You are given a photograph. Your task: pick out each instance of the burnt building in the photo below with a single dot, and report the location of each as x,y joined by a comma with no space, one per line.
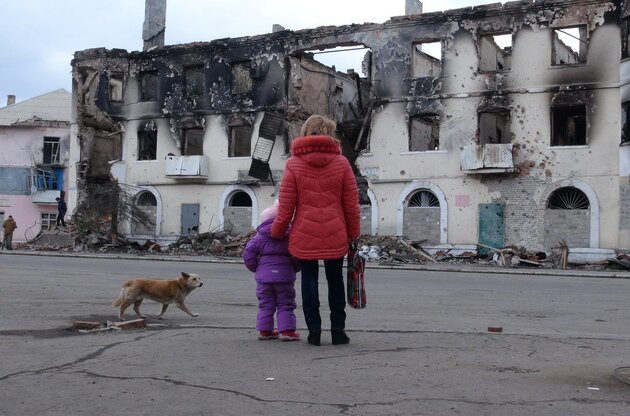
497,124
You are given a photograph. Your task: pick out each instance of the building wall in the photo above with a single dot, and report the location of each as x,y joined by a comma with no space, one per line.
22,148
527,91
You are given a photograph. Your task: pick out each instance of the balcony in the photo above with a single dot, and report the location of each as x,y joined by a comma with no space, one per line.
187,167
487,158
46,197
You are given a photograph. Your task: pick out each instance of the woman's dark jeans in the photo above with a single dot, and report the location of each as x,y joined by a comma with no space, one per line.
336,293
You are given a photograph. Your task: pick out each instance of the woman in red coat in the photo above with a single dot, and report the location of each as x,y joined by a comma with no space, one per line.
319,193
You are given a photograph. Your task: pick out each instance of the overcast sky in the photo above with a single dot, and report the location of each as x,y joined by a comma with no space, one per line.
38,37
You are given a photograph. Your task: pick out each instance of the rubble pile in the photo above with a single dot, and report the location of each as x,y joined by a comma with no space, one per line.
385,250
219,243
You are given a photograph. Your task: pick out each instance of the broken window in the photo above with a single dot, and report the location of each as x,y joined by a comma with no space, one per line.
241,78
569,46
48,221
427,59
147,144
495,52
149,84
240,144
44,179
51,150
494,127
193,142
568,198
348,59
568,125
194,80
240,199
625,123
115,86
424,133
625,38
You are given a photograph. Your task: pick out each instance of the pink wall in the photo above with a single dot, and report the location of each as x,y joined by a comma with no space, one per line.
25,213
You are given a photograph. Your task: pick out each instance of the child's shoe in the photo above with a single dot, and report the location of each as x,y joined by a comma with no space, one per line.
265,335
290,336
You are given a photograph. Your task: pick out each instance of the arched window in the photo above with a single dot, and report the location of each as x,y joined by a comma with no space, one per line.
568,198
423,199
240,199
146,199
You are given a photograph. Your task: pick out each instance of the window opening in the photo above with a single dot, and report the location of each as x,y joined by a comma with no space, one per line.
423,199
193,142
625,38
427,59
149,83
240,144
147,145
495,52
241,78
116,86
44,179
424,133
346,59
569,46
51,150
194,80
494,127
240,199
568,198
146,199
48,221
568,126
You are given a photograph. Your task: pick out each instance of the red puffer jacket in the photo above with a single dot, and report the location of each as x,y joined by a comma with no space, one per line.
318,186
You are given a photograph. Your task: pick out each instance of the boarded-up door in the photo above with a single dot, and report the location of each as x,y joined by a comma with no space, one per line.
190,219
491,226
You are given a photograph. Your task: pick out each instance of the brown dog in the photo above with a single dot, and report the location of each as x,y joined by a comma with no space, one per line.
163,291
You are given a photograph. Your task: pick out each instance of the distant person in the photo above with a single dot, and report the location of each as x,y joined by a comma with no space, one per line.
62,208
319,194
274,270
8,226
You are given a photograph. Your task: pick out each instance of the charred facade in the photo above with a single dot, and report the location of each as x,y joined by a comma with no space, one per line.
477,125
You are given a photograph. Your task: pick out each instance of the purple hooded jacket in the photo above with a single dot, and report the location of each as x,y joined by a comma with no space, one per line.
268,257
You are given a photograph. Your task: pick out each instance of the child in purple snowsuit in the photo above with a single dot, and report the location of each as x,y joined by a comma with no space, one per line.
275,272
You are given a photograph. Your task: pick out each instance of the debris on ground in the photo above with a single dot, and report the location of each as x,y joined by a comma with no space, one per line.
622,261
385,250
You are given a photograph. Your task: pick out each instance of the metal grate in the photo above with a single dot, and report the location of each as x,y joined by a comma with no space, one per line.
146,199
568,198
423,199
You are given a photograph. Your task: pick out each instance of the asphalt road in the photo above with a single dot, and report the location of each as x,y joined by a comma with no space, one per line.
421,347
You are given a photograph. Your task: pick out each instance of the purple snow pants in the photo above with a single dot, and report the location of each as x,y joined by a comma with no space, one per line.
272,297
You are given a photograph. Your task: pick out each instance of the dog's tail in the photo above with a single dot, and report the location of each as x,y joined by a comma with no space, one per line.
119,300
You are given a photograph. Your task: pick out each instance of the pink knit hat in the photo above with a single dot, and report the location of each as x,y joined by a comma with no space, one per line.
269,212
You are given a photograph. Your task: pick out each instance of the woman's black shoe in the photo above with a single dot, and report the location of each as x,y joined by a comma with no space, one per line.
314,337
339,337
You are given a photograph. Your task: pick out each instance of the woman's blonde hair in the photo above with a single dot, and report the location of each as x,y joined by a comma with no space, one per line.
319,125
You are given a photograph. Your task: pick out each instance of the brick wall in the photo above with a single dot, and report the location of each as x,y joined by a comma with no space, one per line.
239,219
366,219
524,219
571,225
422,224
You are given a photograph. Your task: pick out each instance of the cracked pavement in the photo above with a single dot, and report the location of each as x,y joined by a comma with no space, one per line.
421,346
